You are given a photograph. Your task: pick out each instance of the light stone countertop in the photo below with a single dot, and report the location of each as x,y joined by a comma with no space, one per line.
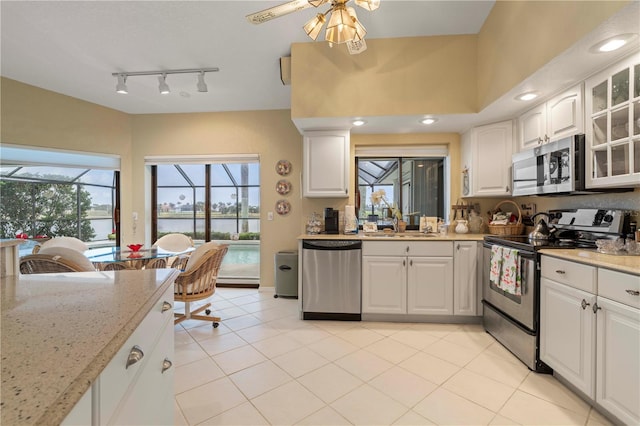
60,330
630,264
404,236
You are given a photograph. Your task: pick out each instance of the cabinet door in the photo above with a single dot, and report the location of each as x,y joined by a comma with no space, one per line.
430,285
567,333
384,285
565,114
465,283
618,380
532,127
326,164
492,148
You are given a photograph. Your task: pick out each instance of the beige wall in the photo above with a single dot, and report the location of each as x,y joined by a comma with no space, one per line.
519,37
398,76
440,75
271,134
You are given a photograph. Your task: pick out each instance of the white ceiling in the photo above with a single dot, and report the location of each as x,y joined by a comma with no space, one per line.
73,47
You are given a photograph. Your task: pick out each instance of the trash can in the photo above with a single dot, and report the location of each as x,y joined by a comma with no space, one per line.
286,274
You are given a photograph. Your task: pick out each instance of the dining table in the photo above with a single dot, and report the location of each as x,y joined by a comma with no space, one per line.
131,259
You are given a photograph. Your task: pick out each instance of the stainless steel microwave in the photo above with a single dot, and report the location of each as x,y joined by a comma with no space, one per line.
553,168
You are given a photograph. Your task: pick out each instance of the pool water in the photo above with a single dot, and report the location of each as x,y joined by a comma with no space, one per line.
239,254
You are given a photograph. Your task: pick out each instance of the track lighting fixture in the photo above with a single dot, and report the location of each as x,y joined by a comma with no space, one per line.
121,87
202,86
163,87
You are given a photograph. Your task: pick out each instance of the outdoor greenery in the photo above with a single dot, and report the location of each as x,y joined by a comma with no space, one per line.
38,209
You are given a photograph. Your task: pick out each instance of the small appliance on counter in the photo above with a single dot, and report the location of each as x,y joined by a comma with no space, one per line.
331,221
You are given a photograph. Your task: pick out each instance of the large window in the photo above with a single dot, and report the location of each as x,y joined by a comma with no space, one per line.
416,186
48,201
213,202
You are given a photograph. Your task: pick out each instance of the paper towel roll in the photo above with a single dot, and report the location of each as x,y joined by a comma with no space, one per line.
350,220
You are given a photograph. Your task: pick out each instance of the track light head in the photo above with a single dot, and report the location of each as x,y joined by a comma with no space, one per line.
121,87
202,86
163,86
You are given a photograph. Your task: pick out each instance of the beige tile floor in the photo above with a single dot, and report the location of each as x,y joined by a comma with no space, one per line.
264,366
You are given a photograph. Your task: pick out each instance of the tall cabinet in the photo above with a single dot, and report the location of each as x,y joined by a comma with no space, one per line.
486,160
325,171
613,125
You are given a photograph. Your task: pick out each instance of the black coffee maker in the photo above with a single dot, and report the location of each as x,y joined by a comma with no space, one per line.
330,221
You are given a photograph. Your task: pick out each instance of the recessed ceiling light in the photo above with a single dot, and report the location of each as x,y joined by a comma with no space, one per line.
428,120
358,122
528,96
612,43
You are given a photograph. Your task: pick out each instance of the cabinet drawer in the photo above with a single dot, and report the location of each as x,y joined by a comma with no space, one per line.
407,248
576,275
618,286
116,378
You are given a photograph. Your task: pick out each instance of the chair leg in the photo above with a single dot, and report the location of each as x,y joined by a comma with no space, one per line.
188,314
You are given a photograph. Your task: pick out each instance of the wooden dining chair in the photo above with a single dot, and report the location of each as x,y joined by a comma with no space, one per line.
198,282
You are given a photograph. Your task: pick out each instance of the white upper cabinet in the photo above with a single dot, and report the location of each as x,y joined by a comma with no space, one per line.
559,117
325,172
486,157
613,126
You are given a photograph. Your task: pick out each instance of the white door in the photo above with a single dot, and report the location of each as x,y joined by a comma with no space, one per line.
565,114
532,126
465,278
326,163
492,148
568,332
430,285
384,285
618,366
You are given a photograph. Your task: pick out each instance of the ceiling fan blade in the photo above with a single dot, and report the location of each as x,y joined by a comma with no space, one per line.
277,11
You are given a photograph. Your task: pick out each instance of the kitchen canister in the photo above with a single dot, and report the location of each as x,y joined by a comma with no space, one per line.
350,220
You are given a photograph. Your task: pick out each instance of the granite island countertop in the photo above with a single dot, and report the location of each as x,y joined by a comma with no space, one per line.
629,264
403,236
60,330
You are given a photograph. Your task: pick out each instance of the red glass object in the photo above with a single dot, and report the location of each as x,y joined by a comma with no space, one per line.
135,247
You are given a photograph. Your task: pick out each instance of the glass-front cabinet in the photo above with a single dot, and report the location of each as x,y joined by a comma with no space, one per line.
613,126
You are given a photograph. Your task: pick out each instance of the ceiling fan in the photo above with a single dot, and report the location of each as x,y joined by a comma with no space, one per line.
342,27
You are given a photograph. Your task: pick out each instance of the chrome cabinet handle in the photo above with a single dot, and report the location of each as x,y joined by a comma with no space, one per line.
633,292
166,364
595,308
539,140
135,355
166,306
584,304
407,249
411,262
560,271
458,247
404,263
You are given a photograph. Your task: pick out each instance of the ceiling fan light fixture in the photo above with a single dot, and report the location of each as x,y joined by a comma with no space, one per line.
370,5
121,87
163,86
314,26
341,27
360,29
202,86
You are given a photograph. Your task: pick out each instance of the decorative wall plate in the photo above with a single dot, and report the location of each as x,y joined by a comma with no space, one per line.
283,187
283,207
283,167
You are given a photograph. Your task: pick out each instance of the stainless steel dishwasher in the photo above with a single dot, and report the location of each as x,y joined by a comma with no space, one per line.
331,279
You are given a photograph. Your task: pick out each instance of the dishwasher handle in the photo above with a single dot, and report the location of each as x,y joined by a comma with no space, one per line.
331,245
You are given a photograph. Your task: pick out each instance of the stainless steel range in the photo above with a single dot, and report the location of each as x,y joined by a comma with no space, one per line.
513,317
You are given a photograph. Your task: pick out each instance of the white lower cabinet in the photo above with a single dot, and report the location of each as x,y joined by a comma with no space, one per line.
430,286
465,278
413,278
618,360
568,333
593,340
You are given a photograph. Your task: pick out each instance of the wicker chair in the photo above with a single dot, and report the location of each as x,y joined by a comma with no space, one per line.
115,266
198,281
174,243
157,263
46,263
